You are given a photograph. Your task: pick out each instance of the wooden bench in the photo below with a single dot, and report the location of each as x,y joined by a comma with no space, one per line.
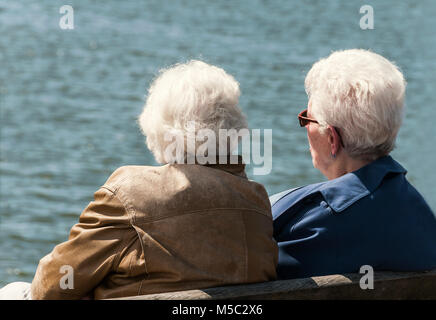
387,285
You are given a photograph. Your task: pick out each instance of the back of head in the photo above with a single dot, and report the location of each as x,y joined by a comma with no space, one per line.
362,94
186,98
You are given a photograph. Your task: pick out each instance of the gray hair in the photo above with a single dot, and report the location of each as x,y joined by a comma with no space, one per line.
192,92
362,94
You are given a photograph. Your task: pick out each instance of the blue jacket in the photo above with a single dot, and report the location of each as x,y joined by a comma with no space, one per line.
372,216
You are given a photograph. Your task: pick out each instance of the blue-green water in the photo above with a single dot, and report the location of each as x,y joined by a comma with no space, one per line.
69,98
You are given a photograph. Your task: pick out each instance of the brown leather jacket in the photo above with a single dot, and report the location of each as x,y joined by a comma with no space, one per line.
160,229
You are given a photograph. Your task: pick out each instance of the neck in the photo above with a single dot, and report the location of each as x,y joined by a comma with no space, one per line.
344,164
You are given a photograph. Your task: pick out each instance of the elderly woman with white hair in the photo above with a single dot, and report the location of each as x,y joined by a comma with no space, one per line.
367,213
173,227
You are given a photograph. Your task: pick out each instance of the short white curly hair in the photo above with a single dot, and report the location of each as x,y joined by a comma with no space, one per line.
186,93
362,94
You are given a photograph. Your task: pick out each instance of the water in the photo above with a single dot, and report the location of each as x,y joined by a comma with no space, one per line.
69,99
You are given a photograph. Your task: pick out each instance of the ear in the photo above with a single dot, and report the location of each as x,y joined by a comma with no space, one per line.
334,140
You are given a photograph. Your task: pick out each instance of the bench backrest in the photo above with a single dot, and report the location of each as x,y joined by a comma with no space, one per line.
387,285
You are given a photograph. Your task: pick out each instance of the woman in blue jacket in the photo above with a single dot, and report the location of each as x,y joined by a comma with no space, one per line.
367,213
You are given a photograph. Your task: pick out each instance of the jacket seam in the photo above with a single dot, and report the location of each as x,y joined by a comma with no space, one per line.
117,258
245,248
153,219
145,259
130,210
132,219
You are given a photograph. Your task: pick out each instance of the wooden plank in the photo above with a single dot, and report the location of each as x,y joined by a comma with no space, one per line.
387,285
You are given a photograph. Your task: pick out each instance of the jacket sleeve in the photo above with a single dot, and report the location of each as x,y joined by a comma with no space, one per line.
74,268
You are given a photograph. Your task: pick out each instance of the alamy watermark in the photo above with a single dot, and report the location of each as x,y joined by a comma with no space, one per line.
367,20
206,146
67,280
67,20
367,280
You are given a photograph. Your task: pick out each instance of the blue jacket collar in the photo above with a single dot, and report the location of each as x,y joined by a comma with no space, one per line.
373,174
342,192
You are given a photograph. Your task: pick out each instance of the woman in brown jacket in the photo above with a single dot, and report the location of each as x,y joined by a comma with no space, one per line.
194,222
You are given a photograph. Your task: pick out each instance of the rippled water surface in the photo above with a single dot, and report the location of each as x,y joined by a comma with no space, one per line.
69,98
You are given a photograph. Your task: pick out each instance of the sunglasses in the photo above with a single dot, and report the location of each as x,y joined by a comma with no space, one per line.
304,121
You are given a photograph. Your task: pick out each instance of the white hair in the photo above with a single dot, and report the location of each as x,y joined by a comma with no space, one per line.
362,94
187,93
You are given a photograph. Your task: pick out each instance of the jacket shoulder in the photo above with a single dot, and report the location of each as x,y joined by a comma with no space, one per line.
292,196
131,174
